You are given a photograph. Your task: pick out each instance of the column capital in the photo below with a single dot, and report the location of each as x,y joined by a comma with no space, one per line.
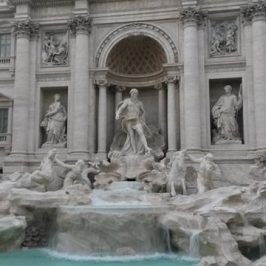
25,28
254,12
101,82
120,88
192,15
171,79
80,25
160,86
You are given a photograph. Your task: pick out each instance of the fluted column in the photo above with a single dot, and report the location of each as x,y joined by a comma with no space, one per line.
257,14
162,120
23,31
80,26
118,98
191,17
102,117
171,114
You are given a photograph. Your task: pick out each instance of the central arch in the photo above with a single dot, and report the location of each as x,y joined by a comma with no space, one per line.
143,56
136,29
136,56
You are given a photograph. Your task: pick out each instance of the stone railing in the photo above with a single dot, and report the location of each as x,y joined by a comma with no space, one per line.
5,139
5,60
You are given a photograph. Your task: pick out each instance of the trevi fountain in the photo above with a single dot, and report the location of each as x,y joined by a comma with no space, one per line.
132,133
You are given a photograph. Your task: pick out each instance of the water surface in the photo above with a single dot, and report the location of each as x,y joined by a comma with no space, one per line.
49,258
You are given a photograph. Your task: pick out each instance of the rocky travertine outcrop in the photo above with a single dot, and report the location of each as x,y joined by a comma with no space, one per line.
220,225
110,231
12,232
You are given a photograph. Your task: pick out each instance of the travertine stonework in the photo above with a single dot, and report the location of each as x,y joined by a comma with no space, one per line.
179,55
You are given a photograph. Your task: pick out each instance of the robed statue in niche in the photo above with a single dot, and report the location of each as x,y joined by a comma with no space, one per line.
54,123
224,114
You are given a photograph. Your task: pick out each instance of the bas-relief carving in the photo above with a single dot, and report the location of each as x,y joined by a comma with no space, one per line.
223,37
224,114
55,49
54,123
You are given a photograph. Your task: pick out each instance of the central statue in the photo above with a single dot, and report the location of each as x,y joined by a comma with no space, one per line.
132,113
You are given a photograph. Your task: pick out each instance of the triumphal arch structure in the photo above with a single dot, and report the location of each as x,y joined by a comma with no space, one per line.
65,65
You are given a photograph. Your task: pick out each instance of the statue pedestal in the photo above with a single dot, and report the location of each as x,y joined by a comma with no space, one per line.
224,142
61,145
133,165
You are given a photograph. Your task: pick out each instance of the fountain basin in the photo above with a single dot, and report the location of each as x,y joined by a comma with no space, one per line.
46,257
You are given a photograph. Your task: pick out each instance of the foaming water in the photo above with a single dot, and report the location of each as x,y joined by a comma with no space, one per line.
46,257
155,256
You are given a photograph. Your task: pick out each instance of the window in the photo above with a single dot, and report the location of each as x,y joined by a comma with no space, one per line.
5,43
3,120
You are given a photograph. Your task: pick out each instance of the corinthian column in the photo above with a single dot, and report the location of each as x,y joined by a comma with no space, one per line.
171,114
102,118
118,99
80,26
23,31
191,17
162,121
256,13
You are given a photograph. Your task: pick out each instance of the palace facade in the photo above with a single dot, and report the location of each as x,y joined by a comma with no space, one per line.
179,54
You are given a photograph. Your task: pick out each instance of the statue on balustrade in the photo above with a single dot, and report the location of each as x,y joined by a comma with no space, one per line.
132,113
54,124
224,114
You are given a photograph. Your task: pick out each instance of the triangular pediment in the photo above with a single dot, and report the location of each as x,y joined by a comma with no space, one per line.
4,98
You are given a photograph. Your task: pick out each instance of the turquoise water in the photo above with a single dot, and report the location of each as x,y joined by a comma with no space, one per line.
47,258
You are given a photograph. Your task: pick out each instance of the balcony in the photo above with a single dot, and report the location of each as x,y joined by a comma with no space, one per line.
5,139
5,60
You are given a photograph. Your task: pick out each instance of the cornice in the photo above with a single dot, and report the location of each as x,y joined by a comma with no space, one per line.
43,2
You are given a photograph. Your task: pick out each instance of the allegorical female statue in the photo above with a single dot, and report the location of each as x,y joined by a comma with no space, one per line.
55,123
224,114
